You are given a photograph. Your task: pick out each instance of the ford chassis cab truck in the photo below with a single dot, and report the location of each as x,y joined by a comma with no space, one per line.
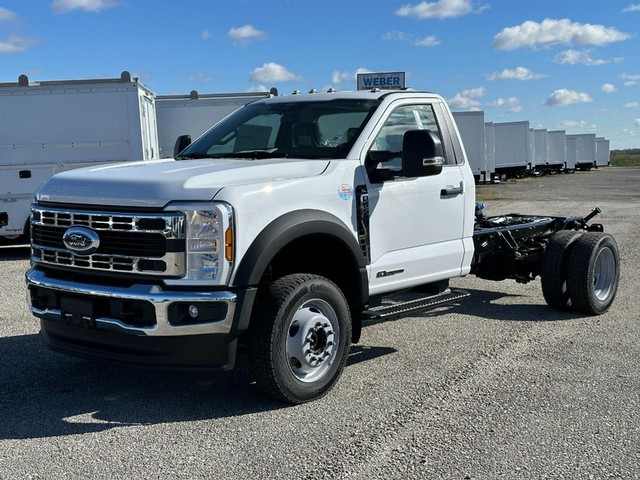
283,228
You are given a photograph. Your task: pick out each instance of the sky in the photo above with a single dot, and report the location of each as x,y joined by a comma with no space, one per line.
560,64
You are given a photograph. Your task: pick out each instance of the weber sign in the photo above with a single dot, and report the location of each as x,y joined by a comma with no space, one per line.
383,81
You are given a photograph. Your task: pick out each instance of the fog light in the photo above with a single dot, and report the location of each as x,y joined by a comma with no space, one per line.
193,311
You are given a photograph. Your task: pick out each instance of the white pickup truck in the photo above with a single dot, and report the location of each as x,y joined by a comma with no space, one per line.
284,227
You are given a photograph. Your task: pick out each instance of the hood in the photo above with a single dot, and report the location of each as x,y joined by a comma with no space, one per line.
156,183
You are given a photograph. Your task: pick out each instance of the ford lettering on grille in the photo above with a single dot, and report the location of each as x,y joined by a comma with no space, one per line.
81,241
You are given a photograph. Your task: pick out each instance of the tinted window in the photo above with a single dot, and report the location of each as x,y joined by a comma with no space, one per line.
315,129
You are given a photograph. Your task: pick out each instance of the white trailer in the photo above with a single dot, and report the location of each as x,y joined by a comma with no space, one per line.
585,150
602,152
532,153
194,114
545,162
490,151
472,132
50,126
557,150
512,149
572,152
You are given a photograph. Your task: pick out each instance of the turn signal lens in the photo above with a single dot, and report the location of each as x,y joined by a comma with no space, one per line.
228,244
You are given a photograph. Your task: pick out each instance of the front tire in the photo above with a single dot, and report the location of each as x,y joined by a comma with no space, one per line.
594,273
299,337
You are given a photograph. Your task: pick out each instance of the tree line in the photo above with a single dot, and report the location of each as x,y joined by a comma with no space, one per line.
626,151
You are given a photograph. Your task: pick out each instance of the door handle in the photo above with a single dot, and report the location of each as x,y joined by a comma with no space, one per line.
450,191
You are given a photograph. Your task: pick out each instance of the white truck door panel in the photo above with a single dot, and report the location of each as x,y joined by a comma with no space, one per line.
425,241
416,225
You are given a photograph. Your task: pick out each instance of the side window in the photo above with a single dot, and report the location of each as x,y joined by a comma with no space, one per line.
402,119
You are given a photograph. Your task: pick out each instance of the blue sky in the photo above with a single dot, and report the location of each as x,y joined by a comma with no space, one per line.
571,64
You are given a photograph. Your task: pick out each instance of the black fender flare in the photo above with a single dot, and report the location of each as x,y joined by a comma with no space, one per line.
284,230
287,228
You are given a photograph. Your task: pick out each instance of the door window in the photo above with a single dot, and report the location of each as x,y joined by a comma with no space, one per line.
402,119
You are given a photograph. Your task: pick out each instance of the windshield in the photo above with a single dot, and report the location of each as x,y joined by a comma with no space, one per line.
314,129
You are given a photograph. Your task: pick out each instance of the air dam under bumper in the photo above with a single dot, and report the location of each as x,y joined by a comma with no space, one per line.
81,319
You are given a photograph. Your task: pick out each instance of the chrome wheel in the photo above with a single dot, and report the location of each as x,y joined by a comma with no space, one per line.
312,340
604,274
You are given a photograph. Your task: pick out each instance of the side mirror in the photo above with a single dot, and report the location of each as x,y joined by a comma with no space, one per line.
182,142
422,153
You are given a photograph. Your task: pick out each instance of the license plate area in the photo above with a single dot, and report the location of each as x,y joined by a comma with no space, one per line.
77,312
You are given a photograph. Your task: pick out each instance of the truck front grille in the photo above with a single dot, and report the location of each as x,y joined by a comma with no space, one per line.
149,244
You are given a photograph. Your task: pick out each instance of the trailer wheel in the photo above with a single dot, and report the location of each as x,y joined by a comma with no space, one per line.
594,273
299,338
555,268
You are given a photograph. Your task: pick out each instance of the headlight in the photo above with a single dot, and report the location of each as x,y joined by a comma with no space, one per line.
209,243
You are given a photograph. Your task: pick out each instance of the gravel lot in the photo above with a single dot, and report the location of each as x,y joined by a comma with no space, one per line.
499,386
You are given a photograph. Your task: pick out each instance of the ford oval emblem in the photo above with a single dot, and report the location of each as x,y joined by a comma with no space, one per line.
81,241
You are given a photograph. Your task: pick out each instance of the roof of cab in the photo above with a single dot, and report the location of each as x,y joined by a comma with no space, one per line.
348,95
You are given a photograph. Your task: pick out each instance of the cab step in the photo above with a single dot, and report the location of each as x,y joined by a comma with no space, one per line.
389,310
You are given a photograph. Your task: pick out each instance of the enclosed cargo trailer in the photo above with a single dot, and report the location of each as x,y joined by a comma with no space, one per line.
585,146
602,152
490,151
472,132
50,126
194,114
557,150
545,161
512,149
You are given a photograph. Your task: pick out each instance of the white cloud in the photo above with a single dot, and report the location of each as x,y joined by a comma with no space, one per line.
511,104
467,98
609,88
439,9
631,104
637,122
564,97
7,15
630,79
580,124
65,6
16,44
339,77
573,57
246,34
430,41
273,72
257,88
206,34
634,7
556,32
518,73
390,36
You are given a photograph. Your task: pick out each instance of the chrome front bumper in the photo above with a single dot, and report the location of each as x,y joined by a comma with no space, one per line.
153,294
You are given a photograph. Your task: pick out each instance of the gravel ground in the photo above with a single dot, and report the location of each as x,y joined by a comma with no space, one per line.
499,386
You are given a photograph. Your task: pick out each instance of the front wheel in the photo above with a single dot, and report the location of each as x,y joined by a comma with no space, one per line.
299,337
594,272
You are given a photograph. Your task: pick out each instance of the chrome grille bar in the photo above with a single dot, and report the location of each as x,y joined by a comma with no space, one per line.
52,223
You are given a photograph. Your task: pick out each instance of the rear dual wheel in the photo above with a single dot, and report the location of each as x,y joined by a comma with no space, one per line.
581,270
593,273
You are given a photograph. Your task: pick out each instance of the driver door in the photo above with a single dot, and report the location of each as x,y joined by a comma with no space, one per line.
415,226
